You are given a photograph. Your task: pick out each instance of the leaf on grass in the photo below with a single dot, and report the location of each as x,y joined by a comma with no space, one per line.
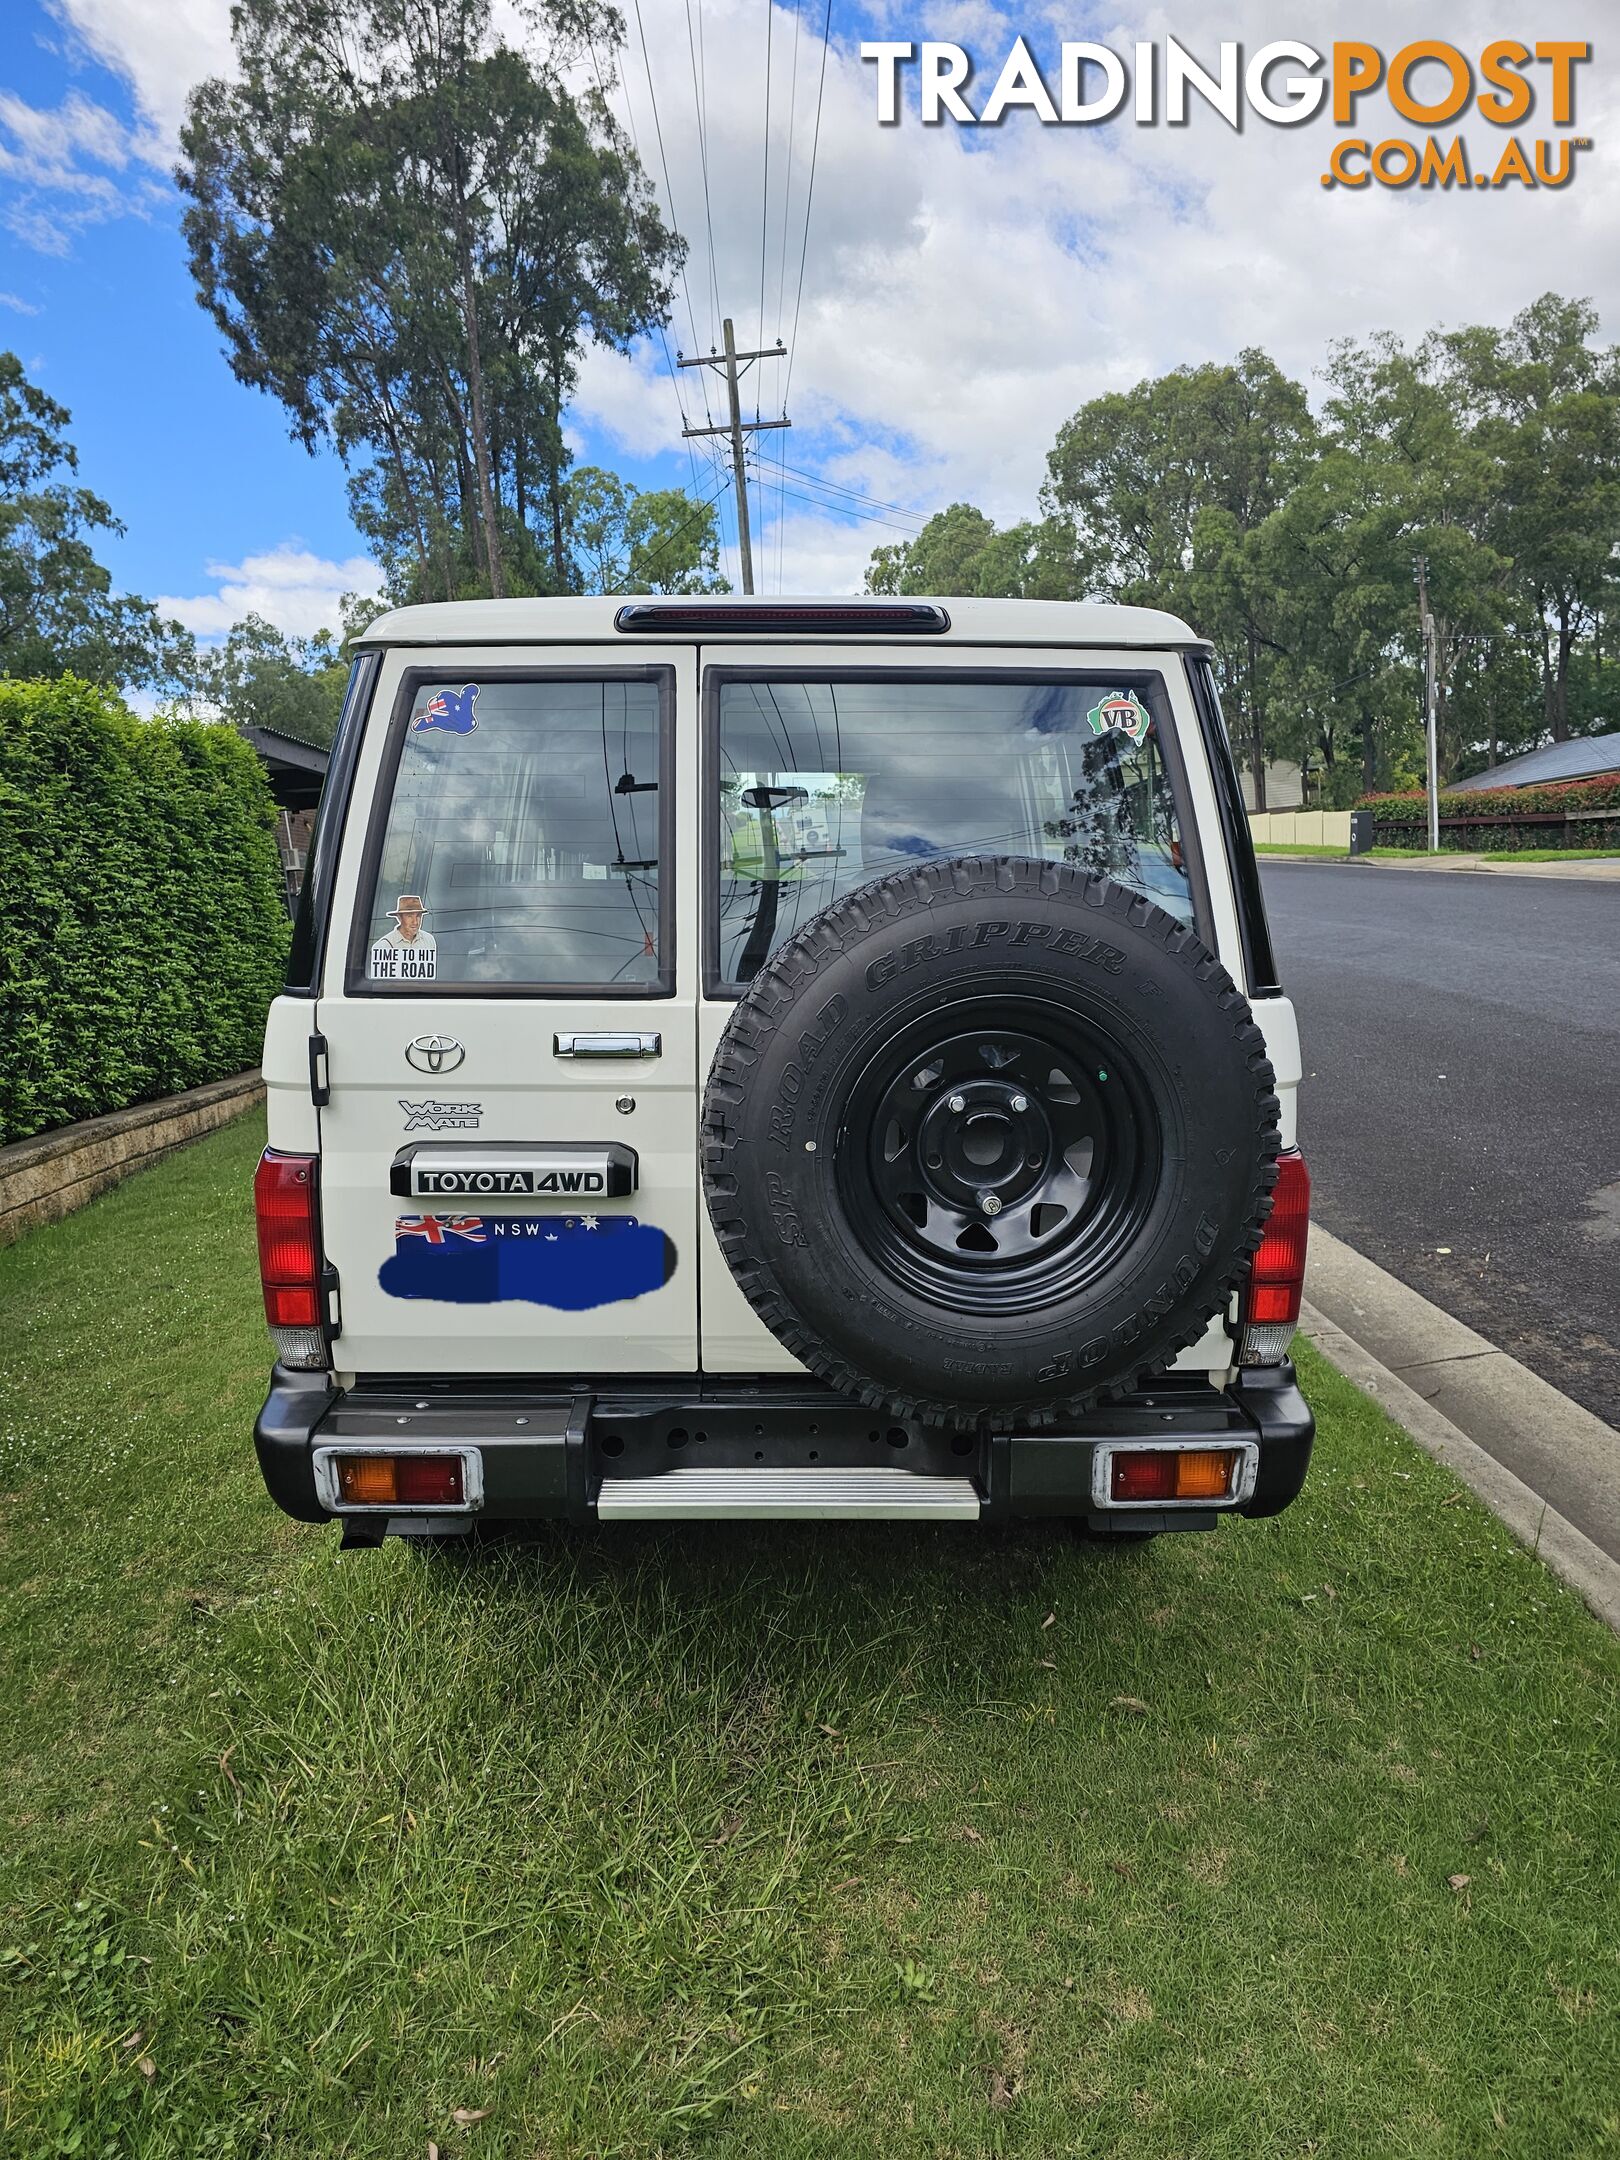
432,2151
1459,1883
1133,1703
146,2066
1047,1664
831,1731
1050,1620
132,2040
1004,2089
464,2118
1475,1653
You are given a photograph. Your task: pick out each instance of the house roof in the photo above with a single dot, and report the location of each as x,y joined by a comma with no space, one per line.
296,770
1584,758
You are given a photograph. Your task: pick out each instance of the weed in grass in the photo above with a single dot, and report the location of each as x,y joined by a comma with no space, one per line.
887,1842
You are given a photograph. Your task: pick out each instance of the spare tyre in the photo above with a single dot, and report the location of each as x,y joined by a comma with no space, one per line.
988,1139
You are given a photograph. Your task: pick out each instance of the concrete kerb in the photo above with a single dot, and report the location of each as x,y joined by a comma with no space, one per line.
1497,1398
1602,870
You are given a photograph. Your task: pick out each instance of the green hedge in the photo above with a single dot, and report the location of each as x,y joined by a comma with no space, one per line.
144,929
1540,817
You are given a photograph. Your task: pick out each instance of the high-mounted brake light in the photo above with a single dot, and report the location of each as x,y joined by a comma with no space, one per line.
1277,1278
859,618
286,1205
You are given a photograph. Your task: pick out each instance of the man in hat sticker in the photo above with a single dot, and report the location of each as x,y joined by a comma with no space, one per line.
407,953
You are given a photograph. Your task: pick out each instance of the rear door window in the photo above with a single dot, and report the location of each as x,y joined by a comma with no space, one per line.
526,839
824,785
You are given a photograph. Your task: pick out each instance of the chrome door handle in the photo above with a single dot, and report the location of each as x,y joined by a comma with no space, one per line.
602,1045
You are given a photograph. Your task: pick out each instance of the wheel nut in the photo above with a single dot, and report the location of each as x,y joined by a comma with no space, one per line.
958,1102
1020,1102
990,1204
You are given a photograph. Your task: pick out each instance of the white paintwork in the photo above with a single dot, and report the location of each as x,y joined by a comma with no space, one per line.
527,1093
735,1339
699,1316
289,1108
590,621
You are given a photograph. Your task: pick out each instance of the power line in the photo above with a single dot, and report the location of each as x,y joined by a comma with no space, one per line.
700,105
765,184
787,177
680,531
809,199
819,502
663,339
876,501
663,159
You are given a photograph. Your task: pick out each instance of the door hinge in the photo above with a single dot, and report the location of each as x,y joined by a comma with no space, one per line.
320,1079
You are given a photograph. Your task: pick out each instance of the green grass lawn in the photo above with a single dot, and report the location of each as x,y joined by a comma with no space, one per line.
1297,1839
1304,847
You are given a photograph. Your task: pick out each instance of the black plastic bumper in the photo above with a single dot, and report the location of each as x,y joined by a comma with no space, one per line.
545,1453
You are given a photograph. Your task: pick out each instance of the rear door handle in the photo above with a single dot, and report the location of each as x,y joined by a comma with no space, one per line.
605,1045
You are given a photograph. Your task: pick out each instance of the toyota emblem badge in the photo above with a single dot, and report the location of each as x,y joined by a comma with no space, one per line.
434,1053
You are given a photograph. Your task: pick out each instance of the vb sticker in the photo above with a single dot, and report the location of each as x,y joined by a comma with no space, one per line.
407,953
572,1263
1121,712
451,710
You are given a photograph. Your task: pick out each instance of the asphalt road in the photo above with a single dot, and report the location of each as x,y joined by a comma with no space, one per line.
1461,1105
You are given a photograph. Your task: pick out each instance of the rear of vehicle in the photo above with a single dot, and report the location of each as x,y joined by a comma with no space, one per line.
755,1059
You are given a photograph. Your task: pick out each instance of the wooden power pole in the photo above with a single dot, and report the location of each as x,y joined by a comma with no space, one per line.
733,365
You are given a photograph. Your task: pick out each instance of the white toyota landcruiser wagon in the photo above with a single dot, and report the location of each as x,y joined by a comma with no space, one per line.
756,1058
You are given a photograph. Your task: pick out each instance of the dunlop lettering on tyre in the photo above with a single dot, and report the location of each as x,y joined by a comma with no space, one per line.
988,1140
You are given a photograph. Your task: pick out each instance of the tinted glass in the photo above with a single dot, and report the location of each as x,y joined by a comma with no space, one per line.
522,841
825,786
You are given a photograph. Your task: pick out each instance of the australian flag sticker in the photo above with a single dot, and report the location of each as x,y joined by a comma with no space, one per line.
451,710
571,1262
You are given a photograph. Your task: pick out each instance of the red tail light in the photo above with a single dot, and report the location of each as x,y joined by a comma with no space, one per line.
286,1202
1277,1280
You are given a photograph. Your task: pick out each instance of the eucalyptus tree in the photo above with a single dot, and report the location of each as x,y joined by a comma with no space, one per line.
1158,493
407,227
1546,405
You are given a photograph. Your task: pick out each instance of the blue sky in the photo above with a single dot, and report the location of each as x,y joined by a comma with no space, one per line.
198,467
964,290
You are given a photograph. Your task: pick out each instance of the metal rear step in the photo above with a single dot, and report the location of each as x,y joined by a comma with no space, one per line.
761,1495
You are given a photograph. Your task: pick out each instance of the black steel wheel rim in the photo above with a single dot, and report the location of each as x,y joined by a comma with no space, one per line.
1000,1157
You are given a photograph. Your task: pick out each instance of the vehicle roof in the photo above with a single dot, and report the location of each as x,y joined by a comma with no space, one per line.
591,620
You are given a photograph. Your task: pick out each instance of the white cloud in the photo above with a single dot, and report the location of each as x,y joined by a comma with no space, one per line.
16,304
627,396
161,48
289,586
966,289
72,165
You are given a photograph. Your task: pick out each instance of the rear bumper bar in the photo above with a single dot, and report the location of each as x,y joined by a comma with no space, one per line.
577,1457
